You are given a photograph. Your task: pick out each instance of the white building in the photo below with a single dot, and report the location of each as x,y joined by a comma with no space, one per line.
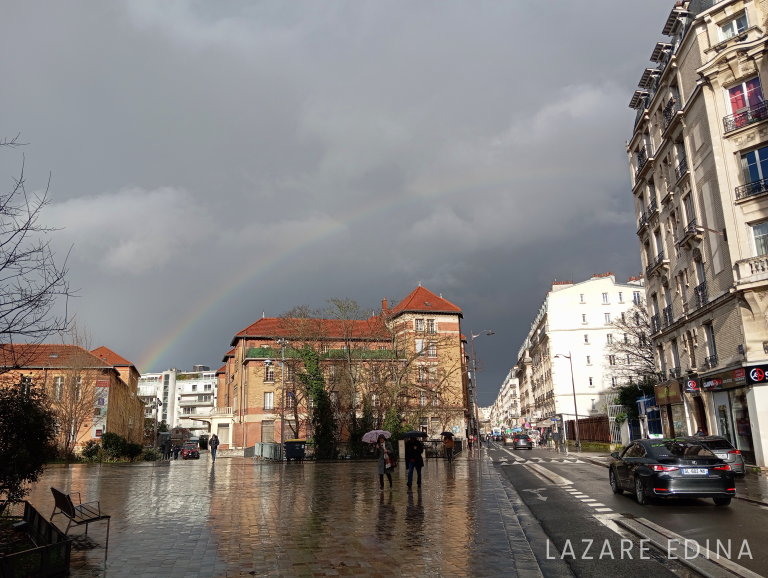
572,327
505,411
187,397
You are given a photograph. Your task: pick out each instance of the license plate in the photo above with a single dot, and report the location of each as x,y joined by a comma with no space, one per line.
722,456
695,471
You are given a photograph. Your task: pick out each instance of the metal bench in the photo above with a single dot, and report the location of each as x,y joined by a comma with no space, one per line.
78,514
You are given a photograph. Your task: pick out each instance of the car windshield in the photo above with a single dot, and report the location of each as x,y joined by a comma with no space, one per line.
718,444
190,447
680,449
523,437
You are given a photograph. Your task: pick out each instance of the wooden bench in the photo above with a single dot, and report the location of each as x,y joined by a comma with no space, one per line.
78,514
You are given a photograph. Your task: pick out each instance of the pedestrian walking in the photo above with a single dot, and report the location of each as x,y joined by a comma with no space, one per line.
213,443
413,450
449,444
176,450
469,443
488,441
386,461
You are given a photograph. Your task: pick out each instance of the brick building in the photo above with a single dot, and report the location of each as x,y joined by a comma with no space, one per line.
411,355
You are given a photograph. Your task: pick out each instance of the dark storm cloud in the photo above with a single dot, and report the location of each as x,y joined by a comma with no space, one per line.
477,148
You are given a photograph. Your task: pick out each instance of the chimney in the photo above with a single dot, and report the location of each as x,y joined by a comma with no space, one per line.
384,304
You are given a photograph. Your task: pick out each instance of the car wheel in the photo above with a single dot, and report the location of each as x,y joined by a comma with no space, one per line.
722,501
615,486
642,499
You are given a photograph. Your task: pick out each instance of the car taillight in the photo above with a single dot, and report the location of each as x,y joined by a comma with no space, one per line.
731,490
657,468
723,467
660,489
735,452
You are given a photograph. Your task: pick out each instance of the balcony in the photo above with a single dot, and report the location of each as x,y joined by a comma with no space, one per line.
702,298
691,232
642,159
642,223
658,263
674,372
751,189
653,206
655,324
670,113
147,391
195,403
711,362
221,411
682,169
745,117
752,270
667,316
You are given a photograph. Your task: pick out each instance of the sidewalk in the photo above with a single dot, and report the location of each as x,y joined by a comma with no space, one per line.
751,488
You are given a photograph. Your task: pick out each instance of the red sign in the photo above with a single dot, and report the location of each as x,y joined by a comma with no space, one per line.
756,375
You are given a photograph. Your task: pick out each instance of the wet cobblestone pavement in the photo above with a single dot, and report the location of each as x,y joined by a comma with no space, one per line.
237,518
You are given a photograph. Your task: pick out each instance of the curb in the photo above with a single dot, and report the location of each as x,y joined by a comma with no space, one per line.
596,462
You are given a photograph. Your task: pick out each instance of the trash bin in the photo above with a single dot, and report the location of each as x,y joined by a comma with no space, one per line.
294,449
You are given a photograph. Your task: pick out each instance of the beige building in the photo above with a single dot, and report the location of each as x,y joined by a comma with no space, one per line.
505,411
699,170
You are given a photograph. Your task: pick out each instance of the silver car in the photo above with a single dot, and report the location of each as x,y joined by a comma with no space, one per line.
724,450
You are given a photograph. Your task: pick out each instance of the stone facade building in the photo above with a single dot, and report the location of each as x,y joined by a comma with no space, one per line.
505,411
697,156
412,355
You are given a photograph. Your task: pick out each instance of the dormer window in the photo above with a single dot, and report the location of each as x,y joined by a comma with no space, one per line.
734,27
53,355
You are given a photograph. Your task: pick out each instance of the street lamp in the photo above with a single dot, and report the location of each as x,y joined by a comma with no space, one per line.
575,407
474,373
282,342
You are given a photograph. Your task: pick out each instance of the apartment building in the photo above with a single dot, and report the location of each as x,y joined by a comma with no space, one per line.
565,349
411,354
698,149
505,411
187,397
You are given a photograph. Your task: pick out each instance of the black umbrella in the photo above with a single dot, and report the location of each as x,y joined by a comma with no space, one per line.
413,434
447,434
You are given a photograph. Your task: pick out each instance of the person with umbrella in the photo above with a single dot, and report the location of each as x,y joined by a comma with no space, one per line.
413,450
449,444
384,452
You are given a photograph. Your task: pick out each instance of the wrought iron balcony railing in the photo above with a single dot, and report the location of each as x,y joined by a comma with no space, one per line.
642,158
667,314
642,222
653,206
749,115
751,189
655,263
674,372
681,168
691,227
702,298
711,361
670,109
655,324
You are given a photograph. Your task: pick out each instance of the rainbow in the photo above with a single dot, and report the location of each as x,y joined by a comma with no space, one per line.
417,194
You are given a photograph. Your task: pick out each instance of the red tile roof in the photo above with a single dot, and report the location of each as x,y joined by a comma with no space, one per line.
230,353
274,327
110,357
223,369
422,300
48,355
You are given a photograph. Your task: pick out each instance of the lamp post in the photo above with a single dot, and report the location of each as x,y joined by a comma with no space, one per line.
575,407
474,374
282,343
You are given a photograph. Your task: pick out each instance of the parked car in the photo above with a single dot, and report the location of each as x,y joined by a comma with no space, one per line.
189,451
724,450
522,441
680,467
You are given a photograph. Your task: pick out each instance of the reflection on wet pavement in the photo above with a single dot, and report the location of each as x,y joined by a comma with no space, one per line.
313,519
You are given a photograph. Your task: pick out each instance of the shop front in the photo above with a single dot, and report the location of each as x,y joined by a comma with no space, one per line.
669,399
731,413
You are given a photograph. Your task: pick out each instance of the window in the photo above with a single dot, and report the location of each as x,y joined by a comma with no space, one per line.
207,387
589,360
431,326
593,405
734,27
609,339
420,347
187,410
288,374
269,400
613,382
203,398
583,317
356,400
432,350
586,338
611,360
194,388
581,298
422,399
621,297
636,297
754,165
605,298
435,400
269,373
709,330
96,412
745,94
422,374
58,388
375,401
419,324
607,318
290,397
628,361
760,234
622,316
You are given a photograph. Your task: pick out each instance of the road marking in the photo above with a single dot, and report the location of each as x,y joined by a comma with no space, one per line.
603,510
549,474
588,500
597,505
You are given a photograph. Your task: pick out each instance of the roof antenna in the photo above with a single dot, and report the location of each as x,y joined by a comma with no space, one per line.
441,295
262,315
419,282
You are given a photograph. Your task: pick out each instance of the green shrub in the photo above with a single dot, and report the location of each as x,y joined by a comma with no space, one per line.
114,445
150,454
91,450
133,451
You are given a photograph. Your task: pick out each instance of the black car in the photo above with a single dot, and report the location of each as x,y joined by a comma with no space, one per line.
522,441
680,467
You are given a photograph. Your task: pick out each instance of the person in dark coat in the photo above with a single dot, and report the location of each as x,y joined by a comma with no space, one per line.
385,453
213,444
176,450
413,450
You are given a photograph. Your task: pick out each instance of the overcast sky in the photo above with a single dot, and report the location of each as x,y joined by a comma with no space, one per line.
210,161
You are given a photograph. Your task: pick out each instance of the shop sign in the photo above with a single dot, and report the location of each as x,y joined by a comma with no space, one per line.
757,375
668,392
725,380
691,385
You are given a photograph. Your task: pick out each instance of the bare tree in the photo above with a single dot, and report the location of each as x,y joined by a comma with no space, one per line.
30,279
629,352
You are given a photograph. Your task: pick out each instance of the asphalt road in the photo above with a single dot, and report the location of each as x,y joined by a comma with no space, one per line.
582,507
